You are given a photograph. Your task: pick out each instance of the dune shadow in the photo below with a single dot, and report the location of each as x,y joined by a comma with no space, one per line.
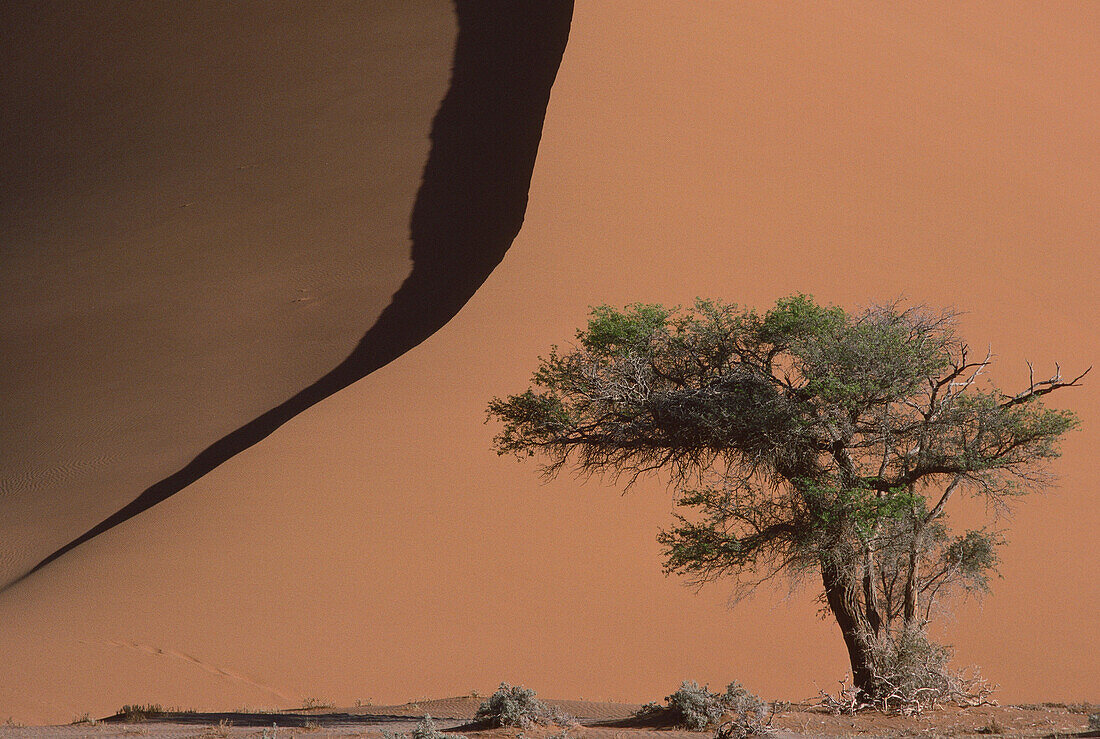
467,212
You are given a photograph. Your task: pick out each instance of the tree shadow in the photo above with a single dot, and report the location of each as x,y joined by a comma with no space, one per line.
467,212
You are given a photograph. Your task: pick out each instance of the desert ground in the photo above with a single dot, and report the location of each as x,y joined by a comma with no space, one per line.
589,720
207,208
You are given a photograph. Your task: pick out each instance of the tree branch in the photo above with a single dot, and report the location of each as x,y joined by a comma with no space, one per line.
1036,389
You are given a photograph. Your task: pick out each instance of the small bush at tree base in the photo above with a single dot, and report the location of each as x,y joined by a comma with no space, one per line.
513,706
912,676
912,672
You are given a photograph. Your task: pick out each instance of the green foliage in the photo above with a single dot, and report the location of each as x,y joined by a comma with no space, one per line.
825,427
795,322
973,556
650,388
806,437
861,507
527,414
613,333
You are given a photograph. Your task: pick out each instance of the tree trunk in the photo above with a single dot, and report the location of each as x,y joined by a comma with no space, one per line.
870,593
842,595
909,612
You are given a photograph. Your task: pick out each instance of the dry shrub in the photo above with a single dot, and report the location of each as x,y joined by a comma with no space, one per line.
221,730
426,729
912,675
993,727
736,712
514,706
137,713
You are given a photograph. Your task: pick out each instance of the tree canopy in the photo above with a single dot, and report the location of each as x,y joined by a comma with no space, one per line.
804,438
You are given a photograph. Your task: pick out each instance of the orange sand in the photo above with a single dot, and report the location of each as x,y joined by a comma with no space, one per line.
375,547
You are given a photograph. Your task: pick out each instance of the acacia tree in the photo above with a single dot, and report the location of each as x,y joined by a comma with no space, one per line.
806,439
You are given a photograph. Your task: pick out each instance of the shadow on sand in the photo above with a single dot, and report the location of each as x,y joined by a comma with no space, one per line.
469,208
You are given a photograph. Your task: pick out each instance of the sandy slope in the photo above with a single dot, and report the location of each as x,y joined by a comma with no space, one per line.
374,547
204,209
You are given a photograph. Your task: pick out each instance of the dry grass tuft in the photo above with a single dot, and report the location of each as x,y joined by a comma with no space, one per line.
220,731
993,727
136,713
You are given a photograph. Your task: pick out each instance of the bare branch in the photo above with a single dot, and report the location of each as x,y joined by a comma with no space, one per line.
1036,389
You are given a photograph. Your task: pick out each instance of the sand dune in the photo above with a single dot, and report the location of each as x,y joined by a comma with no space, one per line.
374,548
193,228
228,393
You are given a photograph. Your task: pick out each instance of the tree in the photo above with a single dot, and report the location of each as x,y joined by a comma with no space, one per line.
804,440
